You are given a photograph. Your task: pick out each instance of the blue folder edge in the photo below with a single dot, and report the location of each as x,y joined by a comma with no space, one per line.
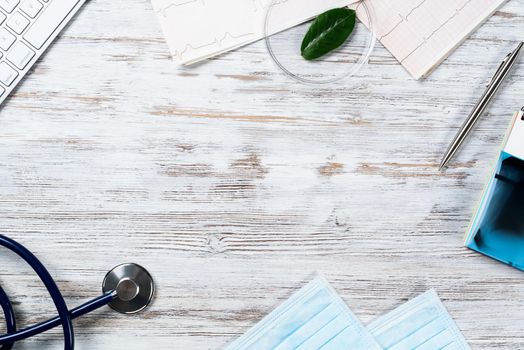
496,230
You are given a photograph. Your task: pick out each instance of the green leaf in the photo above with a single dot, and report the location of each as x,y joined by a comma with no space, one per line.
329,30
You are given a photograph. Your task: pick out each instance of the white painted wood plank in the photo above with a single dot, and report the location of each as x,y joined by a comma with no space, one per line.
233,185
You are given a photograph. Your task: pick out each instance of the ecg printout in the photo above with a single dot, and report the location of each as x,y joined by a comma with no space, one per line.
422,33
419,33
199,29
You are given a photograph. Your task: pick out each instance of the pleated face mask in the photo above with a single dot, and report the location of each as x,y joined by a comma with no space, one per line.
422,324
314,318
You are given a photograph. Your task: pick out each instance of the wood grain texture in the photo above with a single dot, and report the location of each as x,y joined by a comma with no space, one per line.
234,185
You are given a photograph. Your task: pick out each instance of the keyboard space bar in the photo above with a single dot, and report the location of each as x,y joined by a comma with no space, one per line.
47,23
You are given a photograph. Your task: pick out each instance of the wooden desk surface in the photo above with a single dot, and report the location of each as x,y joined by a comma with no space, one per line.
233,184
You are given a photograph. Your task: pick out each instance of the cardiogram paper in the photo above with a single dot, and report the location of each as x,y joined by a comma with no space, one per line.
422,33
199,29
419,33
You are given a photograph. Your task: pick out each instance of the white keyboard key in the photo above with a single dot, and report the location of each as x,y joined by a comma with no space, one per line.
17,23
20,55
48,22
31,7
6,39
2,90
8,5
2,17
7,74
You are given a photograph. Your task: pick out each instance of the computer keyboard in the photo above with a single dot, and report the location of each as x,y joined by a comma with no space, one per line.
27,28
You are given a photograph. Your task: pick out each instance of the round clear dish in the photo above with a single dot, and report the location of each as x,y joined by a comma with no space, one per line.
284,45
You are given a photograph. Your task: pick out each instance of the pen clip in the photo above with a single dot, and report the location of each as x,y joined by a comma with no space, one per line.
499,69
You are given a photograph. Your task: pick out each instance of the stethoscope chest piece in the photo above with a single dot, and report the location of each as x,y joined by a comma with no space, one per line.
133,285
128,288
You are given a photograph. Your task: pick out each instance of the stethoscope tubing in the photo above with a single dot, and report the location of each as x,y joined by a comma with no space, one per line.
10,319
64,317
81,310
49,283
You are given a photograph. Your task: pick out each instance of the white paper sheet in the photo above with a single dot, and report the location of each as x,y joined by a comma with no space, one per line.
422,33
515,143
199,29
419,33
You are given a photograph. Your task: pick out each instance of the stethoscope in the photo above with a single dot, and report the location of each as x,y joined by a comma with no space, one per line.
128,289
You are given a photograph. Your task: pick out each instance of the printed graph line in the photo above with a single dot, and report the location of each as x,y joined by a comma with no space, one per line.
426,39
415,9
217,41
257,5
403,19
164,10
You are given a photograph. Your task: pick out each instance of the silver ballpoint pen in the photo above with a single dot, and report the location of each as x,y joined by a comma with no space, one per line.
493,86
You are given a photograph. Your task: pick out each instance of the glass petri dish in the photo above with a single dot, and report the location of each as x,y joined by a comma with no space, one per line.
284,45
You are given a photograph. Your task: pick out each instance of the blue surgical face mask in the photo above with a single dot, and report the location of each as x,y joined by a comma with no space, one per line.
312,319
422,324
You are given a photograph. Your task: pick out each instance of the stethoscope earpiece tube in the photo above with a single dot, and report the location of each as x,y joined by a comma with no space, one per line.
9,314
52,288
128,288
